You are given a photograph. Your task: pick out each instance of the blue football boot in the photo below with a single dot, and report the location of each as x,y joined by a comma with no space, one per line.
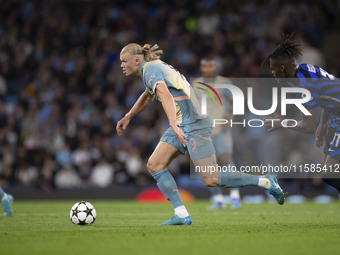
176,220
6,203
275,189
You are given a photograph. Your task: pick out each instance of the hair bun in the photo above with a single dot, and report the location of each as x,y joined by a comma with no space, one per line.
146,47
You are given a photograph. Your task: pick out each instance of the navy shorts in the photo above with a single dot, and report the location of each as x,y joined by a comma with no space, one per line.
332,147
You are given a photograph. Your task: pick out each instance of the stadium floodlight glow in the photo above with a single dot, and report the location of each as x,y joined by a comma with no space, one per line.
238,100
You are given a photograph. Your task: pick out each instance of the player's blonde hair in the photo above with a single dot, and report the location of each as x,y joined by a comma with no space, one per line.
149,53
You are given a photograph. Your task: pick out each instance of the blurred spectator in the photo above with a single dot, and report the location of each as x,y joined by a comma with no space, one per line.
102,174
67,177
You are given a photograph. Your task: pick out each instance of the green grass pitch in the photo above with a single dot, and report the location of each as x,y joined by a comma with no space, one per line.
126,227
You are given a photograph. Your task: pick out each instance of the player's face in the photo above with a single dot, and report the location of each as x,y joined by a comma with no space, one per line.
278,70
208,68
130,64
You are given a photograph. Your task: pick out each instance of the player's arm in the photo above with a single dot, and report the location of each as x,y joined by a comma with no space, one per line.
305,125
170,109
320,132
142,102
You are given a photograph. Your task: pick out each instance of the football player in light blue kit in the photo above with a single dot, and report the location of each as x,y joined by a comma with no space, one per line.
6,200
221,135
188,131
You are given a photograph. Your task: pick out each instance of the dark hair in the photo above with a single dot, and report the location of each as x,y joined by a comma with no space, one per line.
209,58
288,48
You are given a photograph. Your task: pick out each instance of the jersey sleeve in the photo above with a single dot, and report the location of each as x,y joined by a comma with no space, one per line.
153,75
311,104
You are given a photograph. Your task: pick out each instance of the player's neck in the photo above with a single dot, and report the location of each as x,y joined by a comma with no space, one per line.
291,70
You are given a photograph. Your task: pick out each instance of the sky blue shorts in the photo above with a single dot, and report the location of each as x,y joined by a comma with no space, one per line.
198,138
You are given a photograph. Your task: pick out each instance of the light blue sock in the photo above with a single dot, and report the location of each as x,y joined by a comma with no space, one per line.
232,190
167,185
237,179
215,191
2,193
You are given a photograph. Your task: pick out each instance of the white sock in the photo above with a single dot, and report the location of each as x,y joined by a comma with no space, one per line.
234,193
4,197
218,198
264,182
181,211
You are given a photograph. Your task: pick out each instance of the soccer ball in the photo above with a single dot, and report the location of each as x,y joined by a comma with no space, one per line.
83,213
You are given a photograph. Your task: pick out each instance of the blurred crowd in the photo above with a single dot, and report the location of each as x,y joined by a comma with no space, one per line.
62,90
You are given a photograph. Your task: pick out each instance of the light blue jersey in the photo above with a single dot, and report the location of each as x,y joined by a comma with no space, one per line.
196,127
156,72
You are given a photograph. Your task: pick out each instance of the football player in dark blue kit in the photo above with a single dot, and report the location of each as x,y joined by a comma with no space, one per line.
325,92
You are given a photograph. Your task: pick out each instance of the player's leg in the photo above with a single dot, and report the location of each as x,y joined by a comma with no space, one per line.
157,166
332,177
223,144
332,161
212,177
226,159
6,200
202,153
235,198
217,198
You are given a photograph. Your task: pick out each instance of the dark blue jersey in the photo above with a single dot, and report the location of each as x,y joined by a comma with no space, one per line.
324,87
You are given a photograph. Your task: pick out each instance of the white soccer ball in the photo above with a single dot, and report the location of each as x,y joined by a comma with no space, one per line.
83,213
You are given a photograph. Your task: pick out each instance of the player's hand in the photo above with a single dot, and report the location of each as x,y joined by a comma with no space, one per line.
180,135
122,124
273,122
320,133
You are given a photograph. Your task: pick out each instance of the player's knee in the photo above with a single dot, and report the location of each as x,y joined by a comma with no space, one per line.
152,166
211,182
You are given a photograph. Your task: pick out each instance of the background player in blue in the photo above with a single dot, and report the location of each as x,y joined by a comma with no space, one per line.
6,200
325,92
188,131
221,135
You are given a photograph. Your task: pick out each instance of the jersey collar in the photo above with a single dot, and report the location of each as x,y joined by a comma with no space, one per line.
141,67
296,71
